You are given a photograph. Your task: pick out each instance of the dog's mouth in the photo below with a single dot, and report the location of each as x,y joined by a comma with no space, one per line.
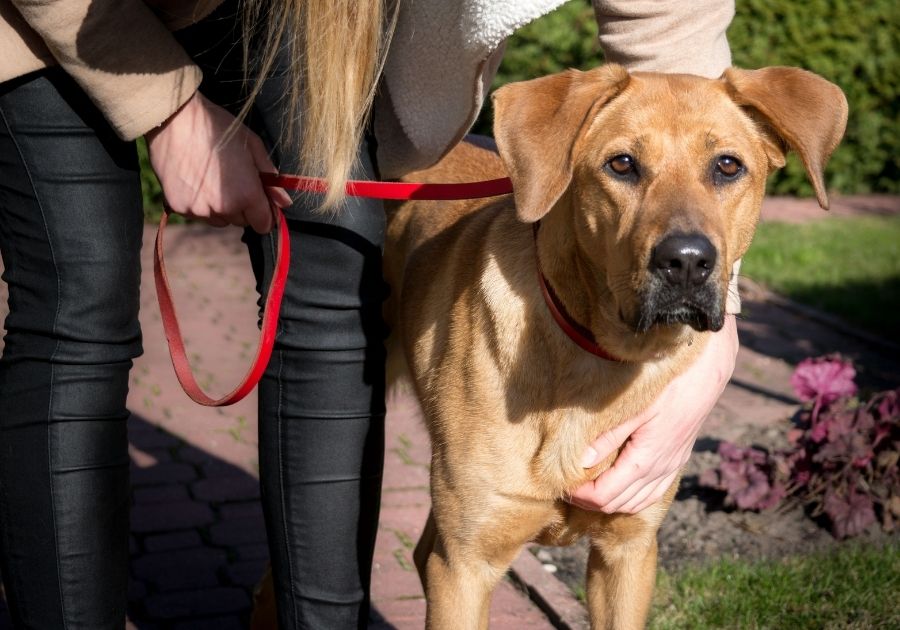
701,309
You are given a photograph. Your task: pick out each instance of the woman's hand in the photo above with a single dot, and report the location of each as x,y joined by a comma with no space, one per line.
205,178
659,440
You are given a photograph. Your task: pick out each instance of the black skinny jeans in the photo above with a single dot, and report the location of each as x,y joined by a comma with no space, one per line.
70,236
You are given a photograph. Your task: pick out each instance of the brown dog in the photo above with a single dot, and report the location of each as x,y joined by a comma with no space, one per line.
647,189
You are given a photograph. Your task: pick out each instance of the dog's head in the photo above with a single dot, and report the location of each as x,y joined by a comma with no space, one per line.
659,178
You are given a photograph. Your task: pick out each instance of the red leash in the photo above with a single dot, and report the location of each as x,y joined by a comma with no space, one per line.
373,190
396,190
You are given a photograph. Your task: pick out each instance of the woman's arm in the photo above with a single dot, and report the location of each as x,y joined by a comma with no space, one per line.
144,82
120,54
677,36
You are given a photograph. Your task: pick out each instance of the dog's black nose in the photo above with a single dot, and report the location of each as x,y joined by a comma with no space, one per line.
684,260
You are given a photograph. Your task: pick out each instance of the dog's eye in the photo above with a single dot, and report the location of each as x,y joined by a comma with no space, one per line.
622,164
728,167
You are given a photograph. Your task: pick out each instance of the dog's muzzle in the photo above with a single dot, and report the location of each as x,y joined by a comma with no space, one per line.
680,289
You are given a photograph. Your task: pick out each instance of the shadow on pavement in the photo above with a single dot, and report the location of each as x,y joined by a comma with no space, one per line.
198,542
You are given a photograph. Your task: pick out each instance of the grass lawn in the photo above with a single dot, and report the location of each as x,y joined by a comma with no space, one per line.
853,587
849,267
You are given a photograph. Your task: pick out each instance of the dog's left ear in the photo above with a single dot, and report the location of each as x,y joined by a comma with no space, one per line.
536,124
808,114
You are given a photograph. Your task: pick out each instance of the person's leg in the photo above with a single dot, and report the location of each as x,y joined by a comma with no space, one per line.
70,236
321,425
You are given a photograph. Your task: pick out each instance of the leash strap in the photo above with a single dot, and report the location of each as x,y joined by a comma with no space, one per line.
267,332
373,190
396,190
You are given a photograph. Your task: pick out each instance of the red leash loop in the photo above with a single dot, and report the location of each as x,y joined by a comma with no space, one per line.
373,190
267,332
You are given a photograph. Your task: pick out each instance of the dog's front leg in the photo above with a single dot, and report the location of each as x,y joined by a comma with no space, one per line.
464,552
620,578
424,548
622,566
458,589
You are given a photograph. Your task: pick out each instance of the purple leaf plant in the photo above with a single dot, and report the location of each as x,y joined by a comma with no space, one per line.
841,459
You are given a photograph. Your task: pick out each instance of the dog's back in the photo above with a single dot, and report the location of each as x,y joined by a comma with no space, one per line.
410,225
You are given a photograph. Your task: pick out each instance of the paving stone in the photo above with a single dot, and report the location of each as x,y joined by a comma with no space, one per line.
218,623
173,472
167,517
193,455
231,488
175,540
160,494
145,435
252,552
399,614
238,531
511,609
240,509
391,581
405,497
219,468
202,602
246,573
180,569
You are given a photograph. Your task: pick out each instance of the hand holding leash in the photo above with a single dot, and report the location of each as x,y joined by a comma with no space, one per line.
209,168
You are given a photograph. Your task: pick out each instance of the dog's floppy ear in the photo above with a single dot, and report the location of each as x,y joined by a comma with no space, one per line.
808,113
536,124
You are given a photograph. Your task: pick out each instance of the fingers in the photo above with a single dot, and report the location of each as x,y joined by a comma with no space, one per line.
609,442
207,178
216,221
638,478
583,497
596,495
262,218
279,196
649,495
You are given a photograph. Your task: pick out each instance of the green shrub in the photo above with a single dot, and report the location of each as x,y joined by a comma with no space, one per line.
854,43
150,189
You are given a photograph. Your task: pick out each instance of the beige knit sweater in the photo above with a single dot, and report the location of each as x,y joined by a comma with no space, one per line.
120,51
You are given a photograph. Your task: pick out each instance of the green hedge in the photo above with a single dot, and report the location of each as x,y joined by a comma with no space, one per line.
150,189
854,43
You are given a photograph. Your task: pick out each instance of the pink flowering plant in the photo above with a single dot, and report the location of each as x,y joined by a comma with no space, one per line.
842,458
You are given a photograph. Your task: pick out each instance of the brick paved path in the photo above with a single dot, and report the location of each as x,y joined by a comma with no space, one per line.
198,542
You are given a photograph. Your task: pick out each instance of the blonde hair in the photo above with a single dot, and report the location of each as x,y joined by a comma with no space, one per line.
337,48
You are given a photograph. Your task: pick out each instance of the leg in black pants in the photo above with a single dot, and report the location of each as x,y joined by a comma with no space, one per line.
321,413
70,236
